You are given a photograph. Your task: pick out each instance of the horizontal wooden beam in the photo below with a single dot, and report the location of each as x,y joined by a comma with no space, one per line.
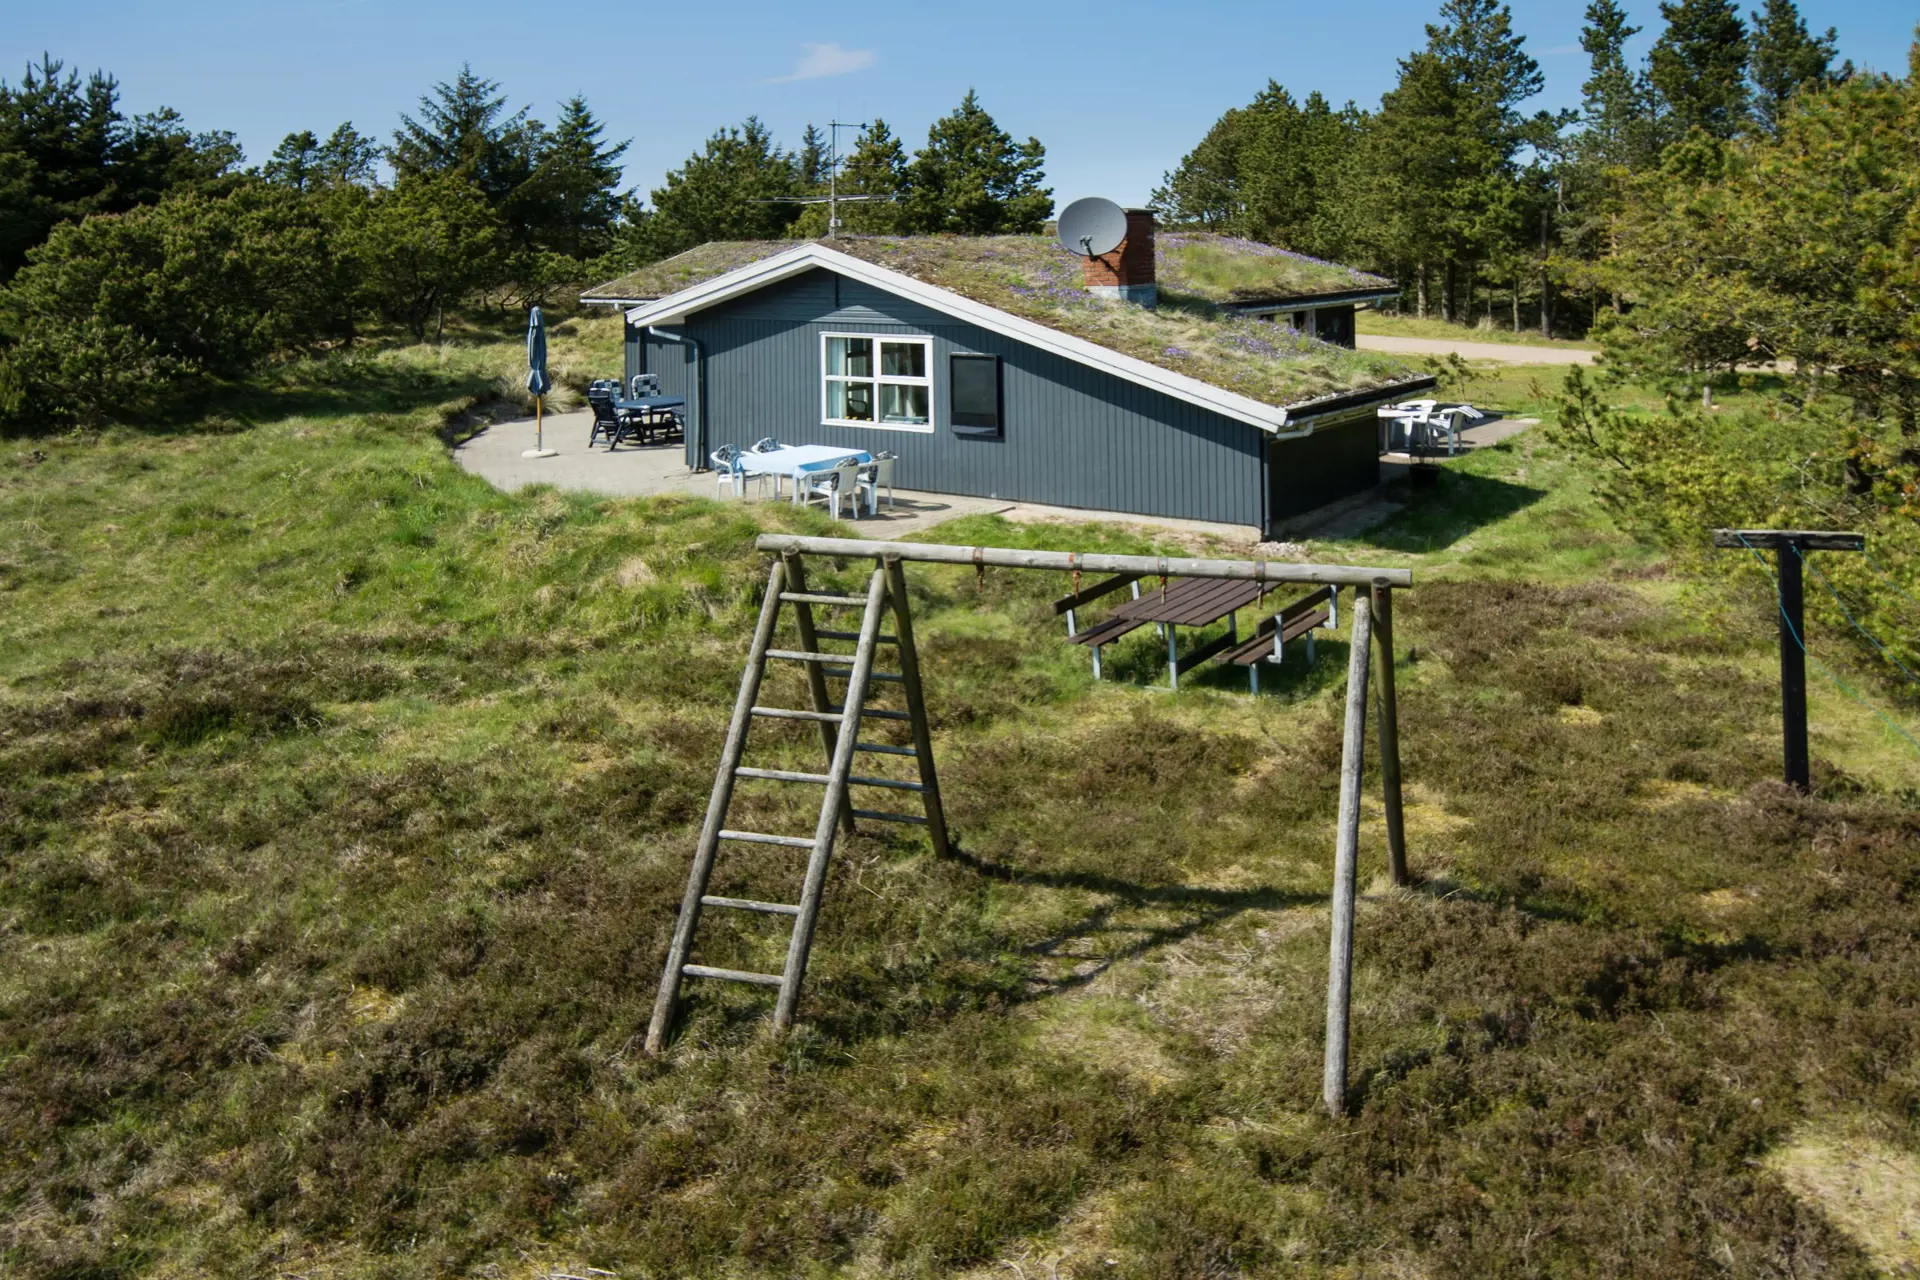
1775,539
1008,558
1104,587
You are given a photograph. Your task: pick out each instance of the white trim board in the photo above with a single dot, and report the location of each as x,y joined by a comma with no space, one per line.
675,308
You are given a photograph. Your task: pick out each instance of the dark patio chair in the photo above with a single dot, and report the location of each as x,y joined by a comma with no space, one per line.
606,419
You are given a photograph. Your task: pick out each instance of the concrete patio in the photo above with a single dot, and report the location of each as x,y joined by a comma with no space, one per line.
494,454
641,471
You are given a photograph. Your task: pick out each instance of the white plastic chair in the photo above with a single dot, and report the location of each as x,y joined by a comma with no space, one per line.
767,444
726,467
876,476
841,481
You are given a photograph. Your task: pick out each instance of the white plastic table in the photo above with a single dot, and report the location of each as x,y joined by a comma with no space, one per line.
797,461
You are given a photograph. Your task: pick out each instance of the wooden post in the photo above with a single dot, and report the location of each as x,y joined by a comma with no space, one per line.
1345,863
716,813
1793,670
1390,737
1790,545
917,705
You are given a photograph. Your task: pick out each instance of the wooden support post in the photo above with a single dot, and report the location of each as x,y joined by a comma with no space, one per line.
816,677
1345,864
716,813
1793,670
1790,546
1390,737
916,705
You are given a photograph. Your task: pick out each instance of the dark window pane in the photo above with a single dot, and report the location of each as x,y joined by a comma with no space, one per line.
976,394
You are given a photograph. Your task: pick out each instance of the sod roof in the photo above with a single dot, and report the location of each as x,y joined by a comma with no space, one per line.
1193,331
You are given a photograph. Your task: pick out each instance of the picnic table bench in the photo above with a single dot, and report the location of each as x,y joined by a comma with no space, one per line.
1197,603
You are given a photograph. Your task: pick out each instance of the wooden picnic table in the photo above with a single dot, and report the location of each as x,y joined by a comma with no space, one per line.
1191,602
1184,602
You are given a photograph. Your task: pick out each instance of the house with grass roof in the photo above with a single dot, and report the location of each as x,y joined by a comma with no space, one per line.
1195,376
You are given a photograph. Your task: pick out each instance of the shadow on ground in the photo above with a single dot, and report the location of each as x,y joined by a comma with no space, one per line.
1447,506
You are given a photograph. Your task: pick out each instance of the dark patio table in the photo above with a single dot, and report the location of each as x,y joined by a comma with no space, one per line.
645,414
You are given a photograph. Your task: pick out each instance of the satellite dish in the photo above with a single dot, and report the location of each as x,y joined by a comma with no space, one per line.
1092,227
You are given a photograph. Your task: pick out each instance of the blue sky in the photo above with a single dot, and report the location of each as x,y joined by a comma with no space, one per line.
1117,91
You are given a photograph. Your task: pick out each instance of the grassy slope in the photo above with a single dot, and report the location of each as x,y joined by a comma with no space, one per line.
344,805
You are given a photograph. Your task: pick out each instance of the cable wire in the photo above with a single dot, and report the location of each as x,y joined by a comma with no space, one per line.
1888,578
1781,604
1848,613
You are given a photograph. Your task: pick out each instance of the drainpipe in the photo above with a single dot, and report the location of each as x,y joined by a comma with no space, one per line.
698,413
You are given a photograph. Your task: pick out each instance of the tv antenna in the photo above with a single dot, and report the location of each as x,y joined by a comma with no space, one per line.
833,199
1091,227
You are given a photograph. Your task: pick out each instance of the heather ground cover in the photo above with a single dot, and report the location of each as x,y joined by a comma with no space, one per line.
345,803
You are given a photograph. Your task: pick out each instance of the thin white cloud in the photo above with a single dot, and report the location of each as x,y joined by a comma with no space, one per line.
818,61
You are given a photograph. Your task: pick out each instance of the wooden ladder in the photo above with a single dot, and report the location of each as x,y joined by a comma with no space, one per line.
840,726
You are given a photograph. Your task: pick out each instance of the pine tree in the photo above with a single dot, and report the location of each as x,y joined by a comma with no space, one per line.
346,158
972,178
464,128
294,161
1786,59
573,198
811,161
1699,67
66,151
730,190
1616,109
876,167
1438,187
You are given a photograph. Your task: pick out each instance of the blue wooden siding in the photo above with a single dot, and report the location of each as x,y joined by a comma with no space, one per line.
1074,436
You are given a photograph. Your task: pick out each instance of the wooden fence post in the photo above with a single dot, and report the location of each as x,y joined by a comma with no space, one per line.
1390,737
1345,859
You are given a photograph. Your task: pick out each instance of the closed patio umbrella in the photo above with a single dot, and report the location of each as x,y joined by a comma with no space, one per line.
537,381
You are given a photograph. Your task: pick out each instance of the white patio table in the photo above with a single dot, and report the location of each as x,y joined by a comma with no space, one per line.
797,461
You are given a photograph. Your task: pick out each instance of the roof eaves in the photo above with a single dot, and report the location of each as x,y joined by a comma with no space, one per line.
1307,412
1271,418
1327,299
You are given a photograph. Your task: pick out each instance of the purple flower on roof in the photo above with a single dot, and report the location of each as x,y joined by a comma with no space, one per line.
1176,353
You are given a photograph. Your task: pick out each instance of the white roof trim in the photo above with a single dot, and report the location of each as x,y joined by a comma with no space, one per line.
675,308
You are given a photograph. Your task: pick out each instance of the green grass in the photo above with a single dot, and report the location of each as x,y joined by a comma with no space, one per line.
1395,324
345,804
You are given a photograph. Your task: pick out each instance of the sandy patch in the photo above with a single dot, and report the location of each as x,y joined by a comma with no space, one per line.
1869,1190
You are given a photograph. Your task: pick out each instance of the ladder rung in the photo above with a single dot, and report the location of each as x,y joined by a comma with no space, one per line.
748,904
801,655
732,975
877,816
782,775
879,713
810,597
886,782
788,713
885,677
881,748
756,837
852,635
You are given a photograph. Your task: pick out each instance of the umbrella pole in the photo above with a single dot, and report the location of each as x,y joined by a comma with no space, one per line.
539,426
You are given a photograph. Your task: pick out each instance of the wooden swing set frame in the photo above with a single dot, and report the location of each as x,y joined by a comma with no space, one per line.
1372,632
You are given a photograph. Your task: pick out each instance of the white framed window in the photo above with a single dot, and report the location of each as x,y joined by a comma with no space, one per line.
876,380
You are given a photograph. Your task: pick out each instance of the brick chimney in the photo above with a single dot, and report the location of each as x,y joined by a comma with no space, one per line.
1127,272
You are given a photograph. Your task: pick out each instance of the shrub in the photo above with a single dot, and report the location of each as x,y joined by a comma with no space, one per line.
116,315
